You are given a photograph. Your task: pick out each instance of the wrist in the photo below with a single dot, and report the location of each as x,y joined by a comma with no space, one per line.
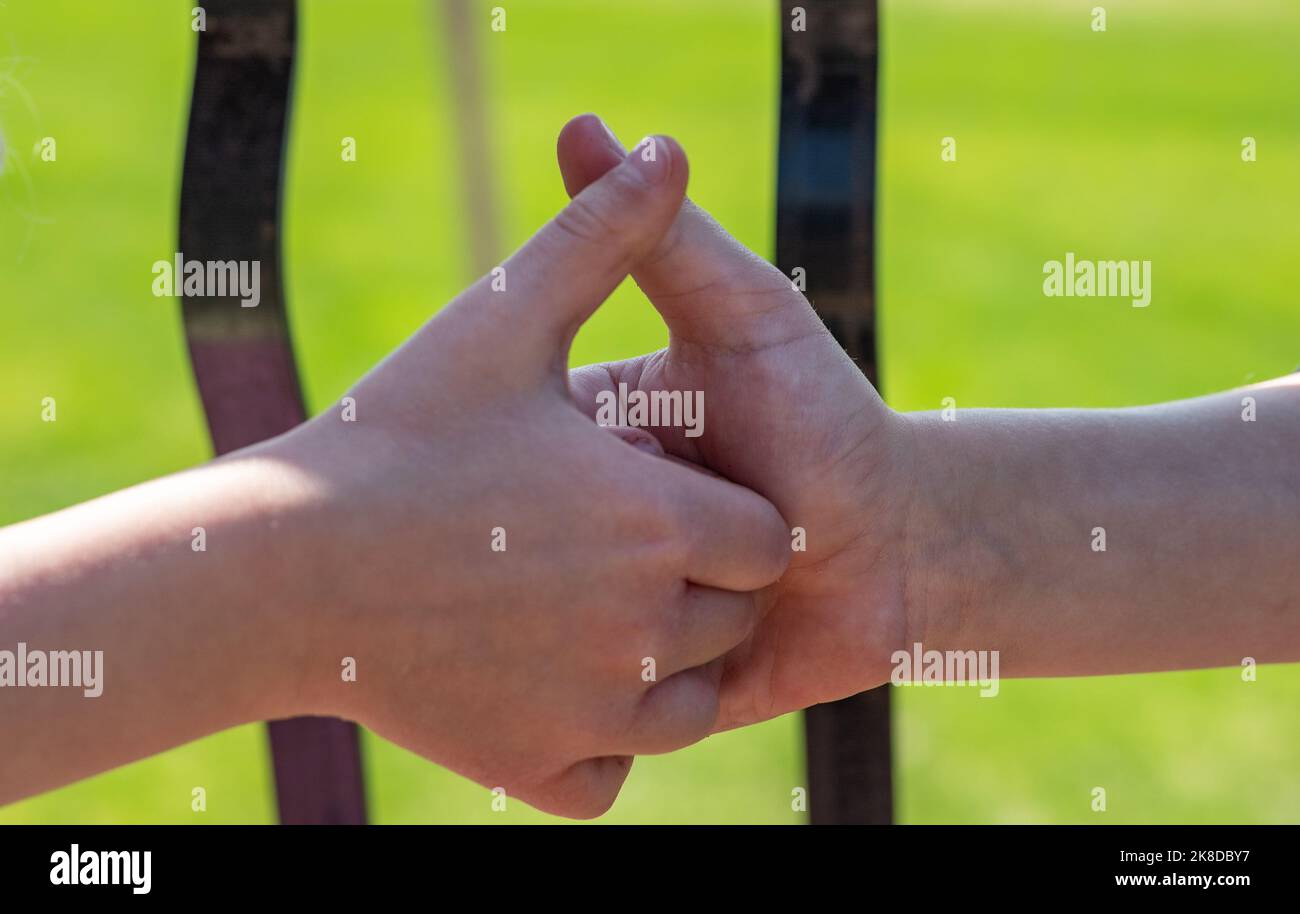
333,535
953,560
271,521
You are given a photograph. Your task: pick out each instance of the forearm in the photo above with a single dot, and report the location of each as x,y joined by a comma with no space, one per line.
192,641
1200,513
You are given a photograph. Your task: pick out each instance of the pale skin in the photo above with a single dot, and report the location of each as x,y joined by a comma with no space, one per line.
523,669
372,540
973,534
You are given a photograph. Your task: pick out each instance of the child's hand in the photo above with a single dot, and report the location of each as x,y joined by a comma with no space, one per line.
789,414
528,667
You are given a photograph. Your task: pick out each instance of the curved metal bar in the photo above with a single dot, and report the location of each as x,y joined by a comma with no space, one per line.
243,356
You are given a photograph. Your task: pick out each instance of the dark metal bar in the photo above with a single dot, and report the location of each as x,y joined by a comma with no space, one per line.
826,195
243,356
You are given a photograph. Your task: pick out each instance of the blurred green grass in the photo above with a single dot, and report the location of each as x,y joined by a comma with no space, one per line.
1124,144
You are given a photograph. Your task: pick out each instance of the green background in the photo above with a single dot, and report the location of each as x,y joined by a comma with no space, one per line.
1117,145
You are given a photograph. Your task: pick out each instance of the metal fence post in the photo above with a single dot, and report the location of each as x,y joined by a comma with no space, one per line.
243,357
825,224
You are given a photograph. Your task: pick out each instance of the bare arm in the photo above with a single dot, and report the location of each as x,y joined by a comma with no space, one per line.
1200,513
180,643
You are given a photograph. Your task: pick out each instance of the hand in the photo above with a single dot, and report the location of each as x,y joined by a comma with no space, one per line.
789,415
523,668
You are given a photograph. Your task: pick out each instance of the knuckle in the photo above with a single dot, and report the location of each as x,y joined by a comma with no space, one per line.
599,217
583,221
674,540
661,521
638,636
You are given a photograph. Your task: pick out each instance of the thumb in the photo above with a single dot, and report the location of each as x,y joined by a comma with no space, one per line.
708,286
564,272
